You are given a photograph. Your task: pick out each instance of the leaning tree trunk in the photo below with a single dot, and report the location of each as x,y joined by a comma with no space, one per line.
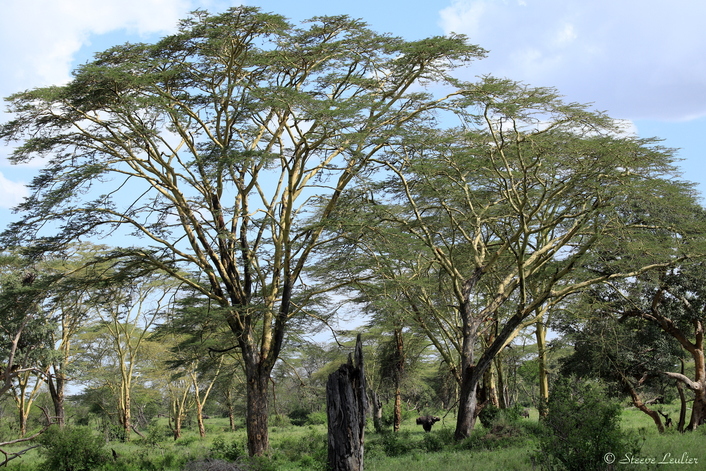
346,406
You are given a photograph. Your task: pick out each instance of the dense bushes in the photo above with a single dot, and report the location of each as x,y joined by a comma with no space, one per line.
72,449
582,428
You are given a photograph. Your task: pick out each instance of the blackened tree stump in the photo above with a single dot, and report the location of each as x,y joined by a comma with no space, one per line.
346,406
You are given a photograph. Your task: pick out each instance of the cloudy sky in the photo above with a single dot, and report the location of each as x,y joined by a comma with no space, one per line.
639,60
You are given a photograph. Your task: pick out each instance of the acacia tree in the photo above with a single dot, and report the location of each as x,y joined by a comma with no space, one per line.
210,143
674,302
501,213
24,326
625,353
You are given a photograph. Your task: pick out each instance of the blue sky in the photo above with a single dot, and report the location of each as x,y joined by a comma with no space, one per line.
639,60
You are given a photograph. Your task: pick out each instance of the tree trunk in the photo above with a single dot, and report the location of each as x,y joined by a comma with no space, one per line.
56,391
257,412
126,418
698,410
502,387
399,373
397,417
346,406
682,400
637,402
23,423
199,419
467,402
541,335
490,387
231,412
177,426
377,411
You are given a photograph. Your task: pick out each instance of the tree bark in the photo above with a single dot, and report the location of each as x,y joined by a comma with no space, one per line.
257,412
503,398
541,336
346,406
467,403
682,400
377,411
637,402
56,391
399,373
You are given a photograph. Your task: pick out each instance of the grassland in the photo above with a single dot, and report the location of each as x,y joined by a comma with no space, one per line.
304,448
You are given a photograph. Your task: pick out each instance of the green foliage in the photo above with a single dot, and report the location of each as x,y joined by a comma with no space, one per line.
488,415
583,425
72,449
230,451
298,416
156,434
388,414
394,443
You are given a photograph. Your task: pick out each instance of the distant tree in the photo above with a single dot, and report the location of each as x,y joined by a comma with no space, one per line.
214,145
112,347
24,326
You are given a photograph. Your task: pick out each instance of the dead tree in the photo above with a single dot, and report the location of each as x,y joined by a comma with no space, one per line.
346,405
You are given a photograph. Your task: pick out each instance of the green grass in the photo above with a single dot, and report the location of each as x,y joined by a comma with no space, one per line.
412,449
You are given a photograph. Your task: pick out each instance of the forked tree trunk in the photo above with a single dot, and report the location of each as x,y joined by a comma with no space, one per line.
346,406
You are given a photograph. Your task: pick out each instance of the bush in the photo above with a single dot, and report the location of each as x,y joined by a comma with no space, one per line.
317,418
228,451
488,415
394,443
72,449
298,416
582,426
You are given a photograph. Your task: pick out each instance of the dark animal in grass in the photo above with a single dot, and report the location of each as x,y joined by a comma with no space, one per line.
525,413
427,421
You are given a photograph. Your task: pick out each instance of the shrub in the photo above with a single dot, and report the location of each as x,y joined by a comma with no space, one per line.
72,449
228,451
279,420
317,418
298,416
394,443
488,415
582,426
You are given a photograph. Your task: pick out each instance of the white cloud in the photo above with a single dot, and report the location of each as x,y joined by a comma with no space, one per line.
11,193
633,58
39,38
